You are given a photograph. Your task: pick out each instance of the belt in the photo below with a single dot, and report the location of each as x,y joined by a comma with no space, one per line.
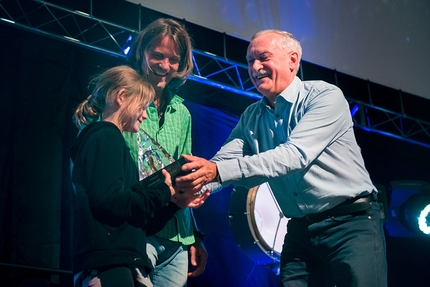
349,206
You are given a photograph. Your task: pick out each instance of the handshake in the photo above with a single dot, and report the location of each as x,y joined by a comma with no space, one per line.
190,198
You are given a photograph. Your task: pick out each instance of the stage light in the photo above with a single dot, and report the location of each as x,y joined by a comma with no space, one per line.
127,45
414,213
126,50
423,220
409,209
354,110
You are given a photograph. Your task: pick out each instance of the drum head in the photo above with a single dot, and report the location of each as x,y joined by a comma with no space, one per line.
258,223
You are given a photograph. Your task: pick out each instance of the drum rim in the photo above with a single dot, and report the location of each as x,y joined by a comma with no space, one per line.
250,211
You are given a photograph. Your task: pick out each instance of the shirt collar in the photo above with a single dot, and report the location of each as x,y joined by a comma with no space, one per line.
174,100
289,94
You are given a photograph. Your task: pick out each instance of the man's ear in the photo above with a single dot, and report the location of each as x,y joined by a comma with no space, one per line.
294,60
120,97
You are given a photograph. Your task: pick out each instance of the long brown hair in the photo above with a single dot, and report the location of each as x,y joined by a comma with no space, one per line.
152,35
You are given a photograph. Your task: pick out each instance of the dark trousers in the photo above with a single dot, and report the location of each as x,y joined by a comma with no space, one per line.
341,251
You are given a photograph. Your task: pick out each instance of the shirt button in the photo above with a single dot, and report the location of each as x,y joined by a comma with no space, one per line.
295,193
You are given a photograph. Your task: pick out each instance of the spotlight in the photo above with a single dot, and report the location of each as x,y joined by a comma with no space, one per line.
354,110
423,220
126,50
409,209
414,213
127,45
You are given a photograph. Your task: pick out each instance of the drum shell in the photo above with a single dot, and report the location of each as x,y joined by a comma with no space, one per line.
243,224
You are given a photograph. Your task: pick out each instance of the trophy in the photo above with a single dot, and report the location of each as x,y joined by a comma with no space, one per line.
152,158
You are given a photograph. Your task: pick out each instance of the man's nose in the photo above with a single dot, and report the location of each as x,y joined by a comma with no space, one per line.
256,65
164,64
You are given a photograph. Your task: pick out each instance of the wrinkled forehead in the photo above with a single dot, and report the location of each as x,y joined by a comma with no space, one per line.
265,43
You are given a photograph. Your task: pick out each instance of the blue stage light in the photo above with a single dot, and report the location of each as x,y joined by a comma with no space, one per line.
424,220
127,45
409,209
126,50
354,110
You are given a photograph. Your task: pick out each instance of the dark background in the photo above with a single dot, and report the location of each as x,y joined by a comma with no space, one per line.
42,81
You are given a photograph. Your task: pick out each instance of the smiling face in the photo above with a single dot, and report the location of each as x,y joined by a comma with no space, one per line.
163,62
270,67
139,115
130,112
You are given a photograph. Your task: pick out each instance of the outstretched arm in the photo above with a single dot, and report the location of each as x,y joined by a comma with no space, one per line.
203,172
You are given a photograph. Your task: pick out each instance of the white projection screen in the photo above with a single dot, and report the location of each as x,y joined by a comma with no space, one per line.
384,41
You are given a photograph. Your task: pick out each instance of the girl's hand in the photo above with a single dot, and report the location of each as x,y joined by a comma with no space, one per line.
190,199
168,181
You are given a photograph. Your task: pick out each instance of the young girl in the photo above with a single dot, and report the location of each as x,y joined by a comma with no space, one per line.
113,212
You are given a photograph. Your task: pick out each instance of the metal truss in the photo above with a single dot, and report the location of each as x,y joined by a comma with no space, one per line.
389,123
89,31
223,73
67,25
84,29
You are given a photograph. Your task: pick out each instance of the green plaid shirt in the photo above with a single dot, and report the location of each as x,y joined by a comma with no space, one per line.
175,136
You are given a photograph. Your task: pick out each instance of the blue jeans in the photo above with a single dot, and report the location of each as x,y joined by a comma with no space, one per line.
125,276
170,262
341,251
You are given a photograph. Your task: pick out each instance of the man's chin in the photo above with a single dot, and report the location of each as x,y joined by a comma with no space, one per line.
159,86
158,83
262,89
162,84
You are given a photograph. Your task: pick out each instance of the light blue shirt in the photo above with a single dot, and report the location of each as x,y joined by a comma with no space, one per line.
305,148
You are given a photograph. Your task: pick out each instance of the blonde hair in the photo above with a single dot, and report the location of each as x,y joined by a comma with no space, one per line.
106,85
151,36
288,42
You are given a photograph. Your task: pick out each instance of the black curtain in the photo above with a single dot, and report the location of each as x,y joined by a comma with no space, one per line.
42,80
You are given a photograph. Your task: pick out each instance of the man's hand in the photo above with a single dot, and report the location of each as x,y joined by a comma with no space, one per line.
203,172
198,258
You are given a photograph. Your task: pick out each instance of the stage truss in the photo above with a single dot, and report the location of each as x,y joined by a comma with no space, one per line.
84,29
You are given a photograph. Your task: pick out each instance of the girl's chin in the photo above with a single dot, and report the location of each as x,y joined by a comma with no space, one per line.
132,130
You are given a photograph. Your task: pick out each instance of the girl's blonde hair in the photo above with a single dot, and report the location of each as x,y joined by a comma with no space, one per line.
105,87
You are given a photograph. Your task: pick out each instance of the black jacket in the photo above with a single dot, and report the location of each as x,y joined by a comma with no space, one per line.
113,213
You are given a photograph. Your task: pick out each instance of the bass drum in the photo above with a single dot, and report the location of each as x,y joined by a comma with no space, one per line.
258,223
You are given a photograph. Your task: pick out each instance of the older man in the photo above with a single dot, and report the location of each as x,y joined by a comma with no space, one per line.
300,139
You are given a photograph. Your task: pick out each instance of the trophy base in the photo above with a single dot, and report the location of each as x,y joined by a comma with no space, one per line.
175,170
